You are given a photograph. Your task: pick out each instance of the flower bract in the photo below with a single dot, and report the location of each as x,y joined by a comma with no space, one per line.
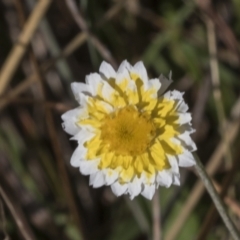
131,133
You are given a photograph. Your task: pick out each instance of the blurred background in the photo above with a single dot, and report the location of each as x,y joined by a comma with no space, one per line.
46,45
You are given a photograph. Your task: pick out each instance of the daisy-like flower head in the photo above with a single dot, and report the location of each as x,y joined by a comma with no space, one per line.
131,135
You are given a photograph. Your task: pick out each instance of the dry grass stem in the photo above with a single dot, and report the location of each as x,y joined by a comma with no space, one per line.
216,199
25,84
63,172
111,13
16,54
224,31
212,47
53,136
106,54
222,190
48,44
17,214
230,202
200,105
58,106
214,162
3,230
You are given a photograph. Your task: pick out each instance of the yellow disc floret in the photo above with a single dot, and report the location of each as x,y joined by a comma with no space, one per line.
127,131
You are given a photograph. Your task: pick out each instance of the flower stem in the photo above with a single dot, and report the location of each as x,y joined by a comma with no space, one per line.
216,198
156,216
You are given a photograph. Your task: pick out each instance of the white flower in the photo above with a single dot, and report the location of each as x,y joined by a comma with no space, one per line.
130,134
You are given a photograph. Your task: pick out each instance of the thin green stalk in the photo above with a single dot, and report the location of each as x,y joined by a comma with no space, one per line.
156,217
216,199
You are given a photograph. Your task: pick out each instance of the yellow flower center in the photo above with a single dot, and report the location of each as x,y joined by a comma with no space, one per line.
127,131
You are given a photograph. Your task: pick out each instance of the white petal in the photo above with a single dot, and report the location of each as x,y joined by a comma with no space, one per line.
166,95
107,70
176,179
148,180
186,159
176,141
88,167
184,118
87,127
94,80
80,87
182,107
135,187
70,119
140,69
124,66
83,99
173,162
148,191
71,114
154,83
187,141
164,178
106,106
176,95
97,179
119,189
123,75
70,127
107,91
186,128
110,176
83,136
78,156
132,86
165,84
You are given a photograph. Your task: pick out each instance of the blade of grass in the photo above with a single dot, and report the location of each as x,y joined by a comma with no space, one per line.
138,214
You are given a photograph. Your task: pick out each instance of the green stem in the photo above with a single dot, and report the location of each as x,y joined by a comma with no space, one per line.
216,198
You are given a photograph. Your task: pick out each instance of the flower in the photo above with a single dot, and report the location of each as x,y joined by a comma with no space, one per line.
131,135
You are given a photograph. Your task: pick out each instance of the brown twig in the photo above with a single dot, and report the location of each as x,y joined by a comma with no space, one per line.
146,14
3,230
19,48
25,84
53,136
231,202
63,172
199,106
106,54
110,13
60,107
17,214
